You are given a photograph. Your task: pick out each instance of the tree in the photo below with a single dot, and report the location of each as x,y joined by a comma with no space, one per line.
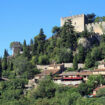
82,88
89,62
96,53
81,54
39,43
96,80
23,67
4,63
45,89
0,67
67,35
26,50
34,60
56,31
64,56
101,92
90,17
103,38
43,59
6,53
75,63
31,42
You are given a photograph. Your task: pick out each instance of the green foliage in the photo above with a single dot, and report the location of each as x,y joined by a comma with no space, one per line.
46,88
101,92
59,48
89,62
83,89
0,67
34,60
24,68
40,42
81,54
64,55
43,59
96,54
75,63
90,17
100,19
56,30
68,36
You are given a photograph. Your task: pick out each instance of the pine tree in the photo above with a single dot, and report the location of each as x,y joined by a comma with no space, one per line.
67,35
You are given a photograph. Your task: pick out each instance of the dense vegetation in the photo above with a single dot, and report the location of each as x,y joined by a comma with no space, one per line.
63,46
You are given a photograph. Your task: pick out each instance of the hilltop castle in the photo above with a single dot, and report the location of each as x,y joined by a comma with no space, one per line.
80,22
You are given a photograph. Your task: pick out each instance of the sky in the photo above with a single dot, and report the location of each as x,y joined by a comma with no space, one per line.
22,19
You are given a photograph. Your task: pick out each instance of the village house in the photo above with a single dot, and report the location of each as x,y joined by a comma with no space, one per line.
68,78
97,89
51,70
85,74
65,78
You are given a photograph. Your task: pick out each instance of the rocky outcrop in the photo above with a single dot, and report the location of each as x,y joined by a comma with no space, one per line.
84,42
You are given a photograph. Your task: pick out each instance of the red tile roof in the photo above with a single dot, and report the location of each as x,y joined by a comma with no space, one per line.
99,88
73,78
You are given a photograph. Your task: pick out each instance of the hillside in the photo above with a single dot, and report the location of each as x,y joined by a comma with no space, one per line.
65,46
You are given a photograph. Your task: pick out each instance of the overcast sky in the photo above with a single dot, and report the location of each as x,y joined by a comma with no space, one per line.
22,19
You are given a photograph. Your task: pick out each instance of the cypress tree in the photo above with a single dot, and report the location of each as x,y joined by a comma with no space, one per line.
39,43
81,54
89,62
75,63
4,63
0,67
26,50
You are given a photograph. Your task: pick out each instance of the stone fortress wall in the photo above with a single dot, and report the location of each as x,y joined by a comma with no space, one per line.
79,23
98,27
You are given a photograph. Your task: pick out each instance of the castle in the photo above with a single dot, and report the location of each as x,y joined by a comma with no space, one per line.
80,23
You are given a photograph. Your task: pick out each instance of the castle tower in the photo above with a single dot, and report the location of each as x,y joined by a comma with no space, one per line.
78,22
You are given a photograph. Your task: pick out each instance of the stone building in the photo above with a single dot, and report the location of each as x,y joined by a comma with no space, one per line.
17,48
80,23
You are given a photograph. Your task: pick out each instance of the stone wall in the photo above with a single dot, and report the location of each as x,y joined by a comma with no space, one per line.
66,65
78,22
70,65
96,27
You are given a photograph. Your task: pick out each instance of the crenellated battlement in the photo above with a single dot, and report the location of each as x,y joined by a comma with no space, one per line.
76,16
79,23
95,23
97,27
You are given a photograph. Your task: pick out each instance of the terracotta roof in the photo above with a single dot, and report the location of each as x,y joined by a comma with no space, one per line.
99,88
96,70
85,73
48,72
68,73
